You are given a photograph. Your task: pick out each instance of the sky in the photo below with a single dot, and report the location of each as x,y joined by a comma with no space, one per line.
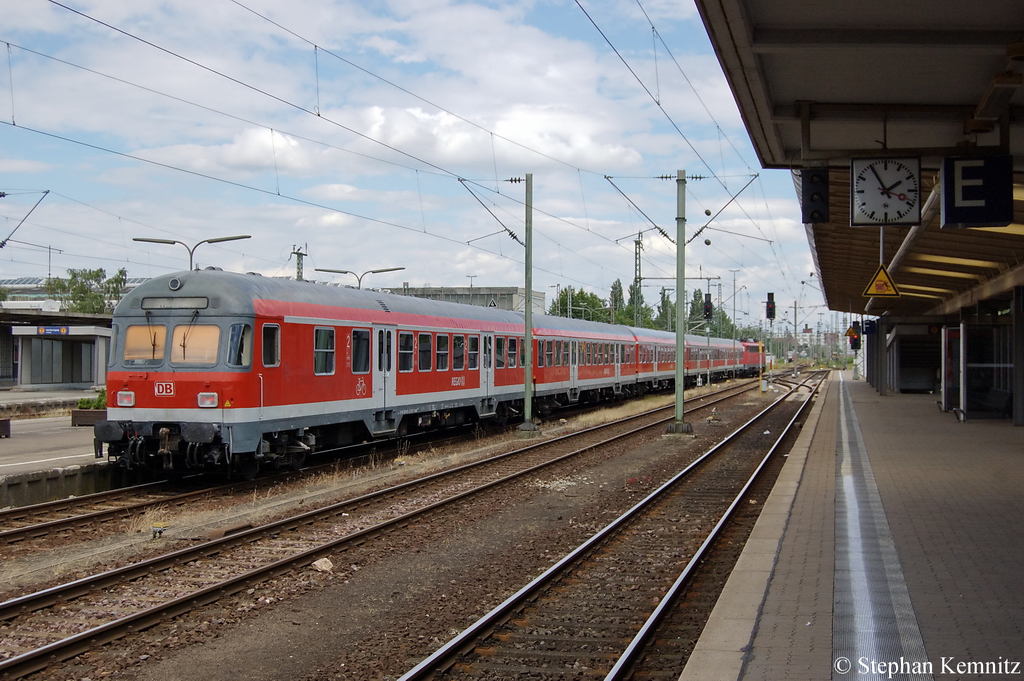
369,135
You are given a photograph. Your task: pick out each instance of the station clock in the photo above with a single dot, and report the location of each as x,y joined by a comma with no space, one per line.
885,191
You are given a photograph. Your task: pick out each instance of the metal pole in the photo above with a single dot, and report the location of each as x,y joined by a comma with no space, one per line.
735,358
527,353
679,425
796,342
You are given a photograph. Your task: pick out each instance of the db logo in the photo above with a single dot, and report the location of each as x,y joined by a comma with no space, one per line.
164,389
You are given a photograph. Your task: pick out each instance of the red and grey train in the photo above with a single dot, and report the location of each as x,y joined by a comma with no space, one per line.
225,371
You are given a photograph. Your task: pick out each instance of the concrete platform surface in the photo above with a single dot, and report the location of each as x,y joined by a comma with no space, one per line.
45,443
901,562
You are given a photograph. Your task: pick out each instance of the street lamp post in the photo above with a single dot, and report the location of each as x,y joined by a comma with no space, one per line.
359,277
192,250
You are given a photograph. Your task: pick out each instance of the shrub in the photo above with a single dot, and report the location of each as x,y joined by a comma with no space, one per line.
100,402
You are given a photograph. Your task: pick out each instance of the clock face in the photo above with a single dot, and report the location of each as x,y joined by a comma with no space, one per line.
885,191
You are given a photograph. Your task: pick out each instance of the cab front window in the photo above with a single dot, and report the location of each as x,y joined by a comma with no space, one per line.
144,344
195,344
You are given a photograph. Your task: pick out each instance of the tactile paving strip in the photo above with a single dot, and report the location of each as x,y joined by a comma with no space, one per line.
874,626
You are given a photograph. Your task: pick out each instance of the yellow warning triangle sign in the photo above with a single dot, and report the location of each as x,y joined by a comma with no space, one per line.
850,333
881,285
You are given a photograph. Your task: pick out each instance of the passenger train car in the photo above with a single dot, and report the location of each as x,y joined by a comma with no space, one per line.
216,370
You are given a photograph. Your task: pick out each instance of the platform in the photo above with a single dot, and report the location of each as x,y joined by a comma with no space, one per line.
890,548
16,403
45,457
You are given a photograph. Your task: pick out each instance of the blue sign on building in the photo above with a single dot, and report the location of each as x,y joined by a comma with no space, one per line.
977,191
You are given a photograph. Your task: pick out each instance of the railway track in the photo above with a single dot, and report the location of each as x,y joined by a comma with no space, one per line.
38,520
593,613
58,623
103,508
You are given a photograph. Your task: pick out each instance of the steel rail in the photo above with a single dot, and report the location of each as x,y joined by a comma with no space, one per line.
40,658
16,534
634,651
444,657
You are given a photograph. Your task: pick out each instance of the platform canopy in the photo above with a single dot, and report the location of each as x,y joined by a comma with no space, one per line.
821,83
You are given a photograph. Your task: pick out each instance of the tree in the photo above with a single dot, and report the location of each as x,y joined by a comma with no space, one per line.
666,319
585,305
4,293
636,298
88,291
617,301
695,319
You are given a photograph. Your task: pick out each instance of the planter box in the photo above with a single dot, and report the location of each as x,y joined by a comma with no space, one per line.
87,417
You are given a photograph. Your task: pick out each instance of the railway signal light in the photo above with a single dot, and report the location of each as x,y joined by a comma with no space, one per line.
814,195
855,337
769,310
708,307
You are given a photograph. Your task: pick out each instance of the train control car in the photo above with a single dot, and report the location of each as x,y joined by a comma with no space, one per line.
226,371
753,360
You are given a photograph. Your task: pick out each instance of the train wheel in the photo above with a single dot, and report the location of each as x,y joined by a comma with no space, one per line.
245,465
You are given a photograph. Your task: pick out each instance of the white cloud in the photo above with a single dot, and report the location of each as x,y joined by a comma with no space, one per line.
358,161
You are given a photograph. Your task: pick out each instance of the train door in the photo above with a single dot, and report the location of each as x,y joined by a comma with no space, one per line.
384,375
618,349
574,371
488,404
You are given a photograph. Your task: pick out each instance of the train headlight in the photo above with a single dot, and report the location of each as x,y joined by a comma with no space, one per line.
125,398
207,400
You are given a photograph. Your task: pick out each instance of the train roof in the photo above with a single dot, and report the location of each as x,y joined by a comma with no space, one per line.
232,293
217,292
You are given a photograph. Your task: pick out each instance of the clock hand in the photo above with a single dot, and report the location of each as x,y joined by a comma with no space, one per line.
879,178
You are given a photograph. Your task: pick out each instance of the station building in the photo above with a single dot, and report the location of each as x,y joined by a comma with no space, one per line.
501,297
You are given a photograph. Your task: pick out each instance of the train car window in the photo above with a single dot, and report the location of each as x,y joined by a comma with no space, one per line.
387,352
550,352
360,351
426,352
271,345
323,351
558,353
499,352
380,350
513,350
240,345
405,350
442,352
474,353
487,352
195,344
540,354
144,345
458,353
